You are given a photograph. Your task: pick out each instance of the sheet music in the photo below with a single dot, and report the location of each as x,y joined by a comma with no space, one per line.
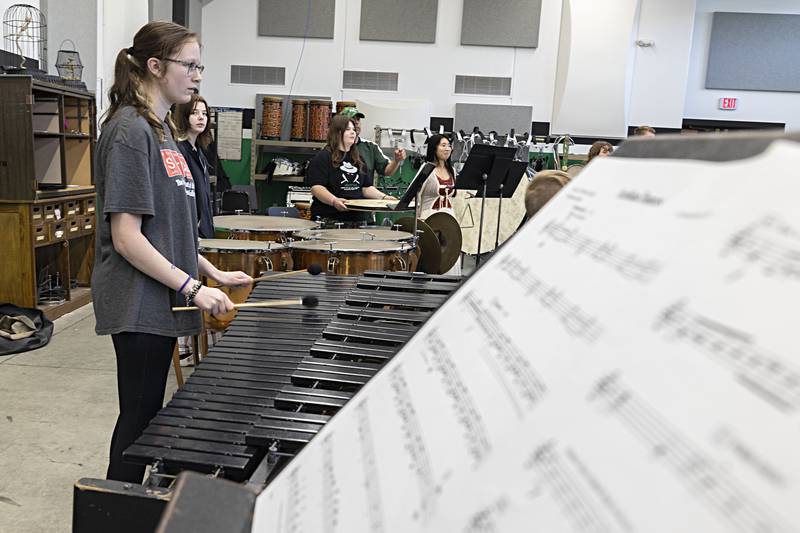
229,130
626,362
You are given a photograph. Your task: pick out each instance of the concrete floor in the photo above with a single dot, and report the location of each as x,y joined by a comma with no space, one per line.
58,406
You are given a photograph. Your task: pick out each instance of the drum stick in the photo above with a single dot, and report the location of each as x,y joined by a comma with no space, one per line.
307,301
312,269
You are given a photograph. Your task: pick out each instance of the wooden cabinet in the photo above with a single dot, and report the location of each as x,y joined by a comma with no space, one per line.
47,194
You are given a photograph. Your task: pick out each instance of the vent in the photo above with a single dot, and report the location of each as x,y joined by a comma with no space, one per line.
256,75
485,85
370,81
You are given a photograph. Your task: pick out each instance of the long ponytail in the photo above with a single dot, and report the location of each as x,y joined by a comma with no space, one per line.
157,39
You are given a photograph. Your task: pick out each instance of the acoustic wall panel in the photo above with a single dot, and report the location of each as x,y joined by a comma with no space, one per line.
490,117
369,81
293,18
755,52
409,21
483,85
507,23
258,75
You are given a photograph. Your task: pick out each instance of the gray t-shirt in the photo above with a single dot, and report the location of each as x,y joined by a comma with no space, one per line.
137,174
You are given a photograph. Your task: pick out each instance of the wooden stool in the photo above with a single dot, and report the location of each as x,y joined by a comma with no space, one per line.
176,364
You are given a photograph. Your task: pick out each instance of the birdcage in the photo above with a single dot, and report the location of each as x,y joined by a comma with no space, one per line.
25,33
68,62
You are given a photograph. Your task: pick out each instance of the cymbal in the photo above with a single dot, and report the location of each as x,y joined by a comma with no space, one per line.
430,253
448,232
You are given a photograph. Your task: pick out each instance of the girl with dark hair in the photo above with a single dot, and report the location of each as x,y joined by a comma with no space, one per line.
191,120
146,257
337,174
439,188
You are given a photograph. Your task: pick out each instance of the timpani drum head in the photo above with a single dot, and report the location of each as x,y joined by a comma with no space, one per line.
356,234
351,246
256,223
233,245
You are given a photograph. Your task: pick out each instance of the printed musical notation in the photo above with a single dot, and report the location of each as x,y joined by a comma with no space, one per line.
769,376
414,447
566,490
370,465
513,370
330,489
768,243
698,474
625,263
576,321
485,520
475,434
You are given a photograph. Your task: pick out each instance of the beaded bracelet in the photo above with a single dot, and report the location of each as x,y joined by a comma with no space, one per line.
192,293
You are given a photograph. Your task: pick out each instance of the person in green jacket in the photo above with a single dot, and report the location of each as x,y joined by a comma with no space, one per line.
371,154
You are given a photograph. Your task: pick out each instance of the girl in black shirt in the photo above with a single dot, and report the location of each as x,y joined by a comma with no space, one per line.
337,174
191,119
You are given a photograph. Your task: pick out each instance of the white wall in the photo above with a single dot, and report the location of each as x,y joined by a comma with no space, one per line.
594,67
757,106
426,71
661,72
4,5
118,22
75,20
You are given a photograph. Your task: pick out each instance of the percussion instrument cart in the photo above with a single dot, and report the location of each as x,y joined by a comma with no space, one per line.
47,194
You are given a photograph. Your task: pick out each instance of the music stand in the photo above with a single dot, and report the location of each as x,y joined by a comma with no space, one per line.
486,171
412,193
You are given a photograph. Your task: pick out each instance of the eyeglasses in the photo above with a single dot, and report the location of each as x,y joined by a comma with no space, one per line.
191,66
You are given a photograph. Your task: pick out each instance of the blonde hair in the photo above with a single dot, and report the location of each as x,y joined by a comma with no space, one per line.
157,39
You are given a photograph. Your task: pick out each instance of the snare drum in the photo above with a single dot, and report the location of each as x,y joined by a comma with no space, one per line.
252,258
354,257
258,227
355,234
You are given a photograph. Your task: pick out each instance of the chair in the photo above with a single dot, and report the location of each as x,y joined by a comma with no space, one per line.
250,191
278,211
233,201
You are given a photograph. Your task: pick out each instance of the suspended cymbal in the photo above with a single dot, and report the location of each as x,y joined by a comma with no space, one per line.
430,253
448,232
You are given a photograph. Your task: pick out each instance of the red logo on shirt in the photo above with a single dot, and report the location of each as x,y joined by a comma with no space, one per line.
175,164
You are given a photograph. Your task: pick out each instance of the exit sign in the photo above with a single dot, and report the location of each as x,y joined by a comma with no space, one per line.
728,104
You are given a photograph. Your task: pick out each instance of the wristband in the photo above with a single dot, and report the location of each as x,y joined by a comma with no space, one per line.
192,293
184,283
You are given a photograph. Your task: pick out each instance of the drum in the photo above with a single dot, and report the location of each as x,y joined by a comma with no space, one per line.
271,117
258,227
354,257
355,234
320,120
304,208
299,120
252,258
341,104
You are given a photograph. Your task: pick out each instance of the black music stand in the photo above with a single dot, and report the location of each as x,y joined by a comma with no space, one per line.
486,170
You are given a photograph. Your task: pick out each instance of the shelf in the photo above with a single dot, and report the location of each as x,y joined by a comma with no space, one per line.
79,297
74,190
285,178
289,144
77,136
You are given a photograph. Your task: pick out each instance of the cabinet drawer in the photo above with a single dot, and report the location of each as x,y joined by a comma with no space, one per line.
58,230
74,227
88,206
41,233
87,223
72,208
37,214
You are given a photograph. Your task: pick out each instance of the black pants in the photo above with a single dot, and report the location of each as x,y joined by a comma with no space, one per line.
142,367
